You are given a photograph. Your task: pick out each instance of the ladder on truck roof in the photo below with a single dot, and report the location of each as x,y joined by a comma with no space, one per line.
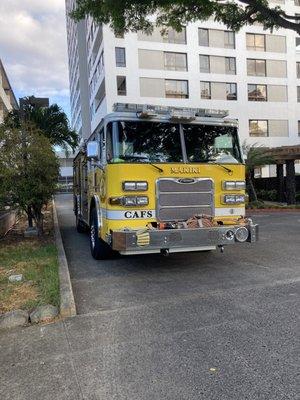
149,110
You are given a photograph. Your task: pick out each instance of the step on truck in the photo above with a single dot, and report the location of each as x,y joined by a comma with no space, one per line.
155,179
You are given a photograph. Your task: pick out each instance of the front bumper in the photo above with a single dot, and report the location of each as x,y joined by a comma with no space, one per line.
175,240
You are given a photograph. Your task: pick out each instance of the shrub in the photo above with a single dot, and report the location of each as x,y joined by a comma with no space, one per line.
256,204
268,195
29,170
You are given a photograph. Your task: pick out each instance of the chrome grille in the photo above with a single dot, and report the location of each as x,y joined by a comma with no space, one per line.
180,199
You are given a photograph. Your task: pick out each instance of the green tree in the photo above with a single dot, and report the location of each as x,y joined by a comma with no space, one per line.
256,156
51,121
28,170
127,15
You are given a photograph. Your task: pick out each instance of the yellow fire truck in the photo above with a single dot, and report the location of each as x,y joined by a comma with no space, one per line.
159,179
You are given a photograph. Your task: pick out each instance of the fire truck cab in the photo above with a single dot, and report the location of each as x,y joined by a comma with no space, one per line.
157,179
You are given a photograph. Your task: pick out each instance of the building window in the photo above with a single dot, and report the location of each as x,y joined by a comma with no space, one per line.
230,67
205,90
100,95
298,94
121,85
256,67
258,127
255,42
231,91
176,89
298,128
203,37
172,36
120,57
257,92
298,70
229,40
204,64
175,61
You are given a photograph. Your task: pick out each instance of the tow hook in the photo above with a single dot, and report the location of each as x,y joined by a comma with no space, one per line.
221,249
165,252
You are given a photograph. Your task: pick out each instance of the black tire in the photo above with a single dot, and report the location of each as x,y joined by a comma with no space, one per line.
80,225
99,249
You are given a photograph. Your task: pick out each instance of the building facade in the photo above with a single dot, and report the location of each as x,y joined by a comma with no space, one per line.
65,180
255,74
8,100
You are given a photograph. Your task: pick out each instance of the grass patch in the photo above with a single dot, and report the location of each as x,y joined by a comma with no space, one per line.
37,260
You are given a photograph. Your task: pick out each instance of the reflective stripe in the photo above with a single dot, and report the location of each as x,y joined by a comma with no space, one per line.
116,215
128,214
228,211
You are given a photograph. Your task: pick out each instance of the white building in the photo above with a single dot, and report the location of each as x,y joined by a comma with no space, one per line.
65,169
8,100
254,74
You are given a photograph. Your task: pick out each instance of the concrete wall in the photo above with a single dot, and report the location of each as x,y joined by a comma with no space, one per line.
7,220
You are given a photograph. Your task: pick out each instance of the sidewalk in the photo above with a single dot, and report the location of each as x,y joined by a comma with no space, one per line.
36,364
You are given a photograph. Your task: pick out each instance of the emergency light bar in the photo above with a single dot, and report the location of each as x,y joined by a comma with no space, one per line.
151,111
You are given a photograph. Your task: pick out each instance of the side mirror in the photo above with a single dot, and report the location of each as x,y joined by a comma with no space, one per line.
93,150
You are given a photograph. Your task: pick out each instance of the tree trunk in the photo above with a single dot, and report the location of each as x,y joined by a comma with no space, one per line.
40,224
251,189
39,220
29,216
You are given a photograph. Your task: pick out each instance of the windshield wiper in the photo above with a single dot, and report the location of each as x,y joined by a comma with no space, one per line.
223,166
155,166
141,160
230,171
226,168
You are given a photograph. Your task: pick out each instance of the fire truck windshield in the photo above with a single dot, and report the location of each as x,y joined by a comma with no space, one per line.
211,143
166,142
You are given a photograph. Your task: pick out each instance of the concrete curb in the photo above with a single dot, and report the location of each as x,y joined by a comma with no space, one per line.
67,302
256,211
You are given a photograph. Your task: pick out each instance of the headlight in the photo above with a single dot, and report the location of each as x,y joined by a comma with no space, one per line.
240,198
233,199
240,185
241,234
234,185
129,186
129,201
229,185
141,186
142,201
135,186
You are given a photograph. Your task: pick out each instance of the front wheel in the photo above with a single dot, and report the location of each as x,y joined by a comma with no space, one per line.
99,249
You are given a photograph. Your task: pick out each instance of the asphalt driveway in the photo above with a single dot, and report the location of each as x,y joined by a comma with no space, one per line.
191,326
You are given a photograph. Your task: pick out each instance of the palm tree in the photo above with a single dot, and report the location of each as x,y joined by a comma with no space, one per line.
256,156
52,121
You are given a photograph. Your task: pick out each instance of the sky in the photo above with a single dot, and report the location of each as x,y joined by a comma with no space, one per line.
33,48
